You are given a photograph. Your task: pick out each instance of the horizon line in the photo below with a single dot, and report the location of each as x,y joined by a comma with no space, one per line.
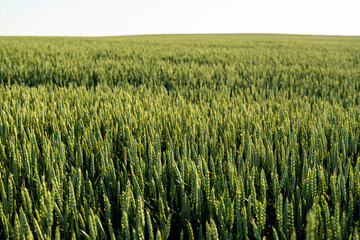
178,34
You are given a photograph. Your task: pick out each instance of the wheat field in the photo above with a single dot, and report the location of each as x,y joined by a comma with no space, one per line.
246,136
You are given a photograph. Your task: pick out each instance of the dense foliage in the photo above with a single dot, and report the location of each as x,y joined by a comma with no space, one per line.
190,137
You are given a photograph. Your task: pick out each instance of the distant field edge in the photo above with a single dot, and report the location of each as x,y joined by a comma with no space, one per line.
190,35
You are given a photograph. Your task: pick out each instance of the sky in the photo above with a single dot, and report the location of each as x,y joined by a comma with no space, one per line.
133,17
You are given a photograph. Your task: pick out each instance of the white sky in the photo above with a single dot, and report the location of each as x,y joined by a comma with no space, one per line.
125,17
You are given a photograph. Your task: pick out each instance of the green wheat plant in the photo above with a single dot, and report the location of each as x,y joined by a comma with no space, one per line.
180,137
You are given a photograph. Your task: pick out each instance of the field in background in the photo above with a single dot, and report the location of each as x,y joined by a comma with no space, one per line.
180,136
